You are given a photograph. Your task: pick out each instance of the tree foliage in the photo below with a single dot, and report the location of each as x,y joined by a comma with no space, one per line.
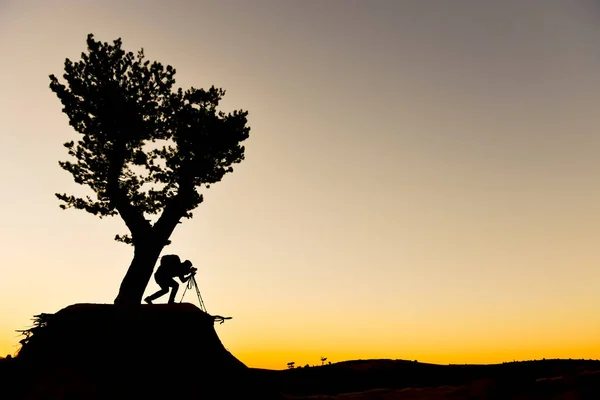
146,148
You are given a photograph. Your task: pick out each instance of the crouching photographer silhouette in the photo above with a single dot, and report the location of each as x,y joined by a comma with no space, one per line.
169,268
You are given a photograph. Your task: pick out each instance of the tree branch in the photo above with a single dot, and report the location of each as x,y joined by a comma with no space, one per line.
133,217
175,208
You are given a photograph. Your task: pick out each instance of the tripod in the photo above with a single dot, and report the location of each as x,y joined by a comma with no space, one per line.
192,283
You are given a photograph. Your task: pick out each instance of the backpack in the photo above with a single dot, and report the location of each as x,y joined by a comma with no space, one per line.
168,265
170,260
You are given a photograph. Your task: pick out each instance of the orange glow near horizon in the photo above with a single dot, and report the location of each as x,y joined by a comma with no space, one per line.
462,344
421,180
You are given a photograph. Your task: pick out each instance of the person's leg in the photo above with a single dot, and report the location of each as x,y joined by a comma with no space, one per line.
164,289
156,295
174,287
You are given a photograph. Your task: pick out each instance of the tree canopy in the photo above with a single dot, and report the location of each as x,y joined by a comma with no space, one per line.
146,148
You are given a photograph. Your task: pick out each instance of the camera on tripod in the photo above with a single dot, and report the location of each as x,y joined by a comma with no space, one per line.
191,282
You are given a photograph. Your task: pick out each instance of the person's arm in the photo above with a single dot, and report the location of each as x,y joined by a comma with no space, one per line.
191,271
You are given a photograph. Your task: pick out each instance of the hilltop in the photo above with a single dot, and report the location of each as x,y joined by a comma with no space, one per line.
145,351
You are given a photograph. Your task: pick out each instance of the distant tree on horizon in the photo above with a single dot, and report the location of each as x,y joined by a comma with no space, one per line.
145,149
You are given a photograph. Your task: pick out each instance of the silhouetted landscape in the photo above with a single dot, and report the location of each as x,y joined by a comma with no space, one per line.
89,351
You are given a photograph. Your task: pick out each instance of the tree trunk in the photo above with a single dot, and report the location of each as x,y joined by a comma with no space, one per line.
139,273
148,244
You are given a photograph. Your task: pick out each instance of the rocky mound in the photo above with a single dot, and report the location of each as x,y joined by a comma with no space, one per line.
108,351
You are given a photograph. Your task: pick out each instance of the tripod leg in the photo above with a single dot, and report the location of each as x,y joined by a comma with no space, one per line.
183,295
202,307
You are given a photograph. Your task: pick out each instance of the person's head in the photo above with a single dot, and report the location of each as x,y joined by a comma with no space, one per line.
187,264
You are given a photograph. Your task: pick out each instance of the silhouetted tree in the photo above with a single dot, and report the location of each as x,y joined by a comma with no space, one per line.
146,149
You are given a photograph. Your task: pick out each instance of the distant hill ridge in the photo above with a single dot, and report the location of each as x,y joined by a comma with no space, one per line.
364,375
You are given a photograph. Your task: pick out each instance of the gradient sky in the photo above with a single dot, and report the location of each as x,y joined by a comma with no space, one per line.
422,179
